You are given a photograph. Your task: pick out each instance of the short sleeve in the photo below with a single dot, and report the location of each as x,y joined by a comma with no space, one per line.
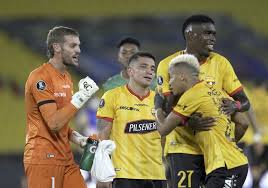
42,89
231,83
163,77
187,104
106,109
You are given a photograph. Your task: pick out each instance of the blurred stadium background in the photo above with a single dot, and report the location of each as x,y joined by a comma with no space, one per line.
242,37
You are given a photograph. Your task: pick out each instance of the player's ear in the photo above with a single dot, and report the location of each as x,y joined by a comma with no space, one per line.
129,71
182,77
56,47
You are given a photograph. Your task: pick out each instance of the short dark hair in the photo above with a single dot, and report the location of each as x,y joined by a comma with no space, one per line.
56,35
140,54
196,19
129,40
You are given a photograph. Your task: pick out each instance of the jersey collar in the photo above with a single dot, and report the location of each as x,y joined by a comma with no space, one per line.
139,97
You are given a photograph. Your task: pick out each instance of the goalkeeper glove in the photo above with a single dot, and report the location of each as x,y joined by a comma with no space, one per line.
78,139
87,87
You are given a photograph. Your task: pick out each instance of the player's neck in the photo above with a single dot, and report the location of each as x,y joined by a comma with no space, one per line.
192,83
194,52
124,74
138,89
57,64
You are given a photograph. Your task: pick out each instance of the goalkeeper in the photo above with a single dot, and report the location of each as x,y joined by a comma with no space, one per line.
50,105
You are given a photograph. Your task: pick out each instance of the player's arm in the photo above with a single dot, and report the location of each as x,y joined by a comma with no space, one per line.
233,87
252,120
195,120
76,138
166,124
105,114
241,125
56,118
104,128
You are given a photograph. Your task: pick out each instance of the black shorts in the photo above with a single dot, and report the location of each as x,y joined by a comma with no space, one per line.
236,177
186,170
216,178
137,183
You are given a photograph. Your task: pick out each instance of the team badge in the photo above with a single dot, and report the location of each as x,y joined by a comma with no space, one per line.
153,111
41,85
160,80
210,81
102,103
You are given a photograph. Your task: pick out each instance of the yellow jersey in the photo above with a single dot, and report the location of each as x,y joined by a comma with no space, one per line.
217,145
138,153
217,71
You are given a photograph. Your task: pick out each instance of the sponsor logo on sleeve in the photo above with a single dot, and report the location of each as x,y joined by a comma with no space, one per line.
41,85
140,127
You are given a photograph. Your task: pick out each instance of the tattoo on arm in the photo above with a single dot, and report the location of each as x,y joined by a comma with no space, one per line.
104,128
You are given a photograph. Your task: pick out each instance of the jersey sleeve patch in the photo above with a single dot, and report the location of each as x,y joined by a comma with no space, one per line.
160,80
41,85
102,103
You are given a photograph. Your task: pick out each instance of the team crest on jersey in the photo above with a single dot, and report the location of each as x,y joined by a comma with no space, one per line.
160,80
210,81
153,111
102,103
41,85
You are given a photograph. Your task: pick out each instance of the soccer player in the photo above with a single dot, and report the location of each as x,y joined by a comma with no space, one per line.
218,144
50,105
200,35
126,116
127,47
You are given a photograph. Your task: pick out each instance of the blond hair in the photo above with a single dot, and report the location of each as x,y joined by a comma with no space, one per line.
187,59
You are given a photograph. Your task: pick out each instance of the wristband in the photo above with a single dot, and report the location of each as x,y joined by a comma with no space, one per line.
238,105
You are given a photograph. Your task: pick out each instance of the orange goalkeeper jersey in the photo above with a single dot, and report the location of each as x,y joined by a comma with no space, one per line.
47,85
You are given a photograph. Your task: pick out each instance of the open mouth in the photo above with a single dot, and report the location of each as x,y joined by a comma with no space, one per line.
210,47
76,58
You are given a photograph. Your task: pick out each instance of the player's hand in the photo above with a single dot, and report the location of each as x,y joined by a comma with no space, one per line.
159,101
229,106
88,86
199,123
104,185
78,139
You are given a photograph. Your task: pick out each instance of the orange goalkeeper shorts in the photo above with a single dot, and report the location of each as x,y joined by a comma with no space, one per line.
54,176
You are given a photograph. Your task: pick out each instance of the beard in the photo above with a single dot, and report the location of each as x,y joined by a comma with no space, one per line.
68,64
67,61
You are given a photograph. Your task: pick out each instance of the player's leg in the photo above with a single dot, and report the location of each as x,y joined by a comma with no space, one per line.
73,177
216,178
236,176
186,170
124,183
44,176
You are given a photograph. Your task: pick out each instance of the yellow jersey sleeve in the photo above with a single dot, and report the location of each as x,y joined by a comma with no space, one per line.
106,109
162,74
188,103
231,83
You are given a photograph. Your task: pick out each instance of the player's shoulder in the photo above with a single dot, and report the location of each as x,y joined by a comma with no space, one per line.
108,84
197,91
218,57
112,78
40,72
170,57
113,92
